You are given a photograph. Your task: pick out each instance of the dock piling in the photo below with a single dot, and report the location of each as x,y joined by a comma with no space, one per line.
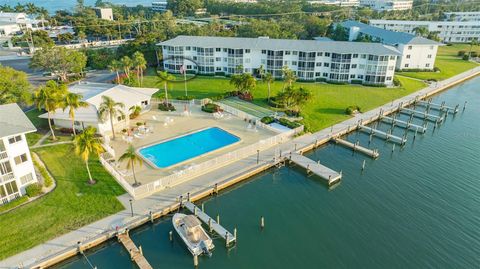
195,261
262,222
218,219
203,207
170,236
235,233
363,165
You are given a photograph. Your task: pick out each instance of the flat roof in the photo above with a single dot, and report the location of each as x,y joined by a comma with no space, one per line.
13,121
389,37
469,23
281,44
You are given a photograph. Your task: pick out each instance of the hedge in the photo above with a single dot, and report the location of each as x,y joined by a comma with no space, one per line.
166,107
211,108
267,119
288,123
34,189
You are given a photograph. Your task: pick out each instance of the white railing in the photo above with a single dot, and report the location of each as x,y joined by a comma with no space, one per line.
109,150
120,179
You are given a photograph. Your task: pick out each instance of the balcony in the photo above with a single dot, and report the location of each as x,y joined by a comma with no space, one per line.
3,155
7,177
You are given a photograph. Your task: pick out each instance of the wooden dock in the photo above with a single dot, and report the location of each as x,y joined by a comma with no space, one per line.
213,225
441,107
405,124
135,253
313,167
423,115
382,134
356,147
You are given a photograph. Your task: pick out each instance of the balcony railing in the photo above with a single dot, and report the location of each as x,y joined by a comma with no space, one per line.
3,155
7,177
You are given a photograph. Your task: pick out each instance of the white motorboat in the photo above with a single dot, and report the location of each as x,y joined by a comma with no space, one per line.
189,228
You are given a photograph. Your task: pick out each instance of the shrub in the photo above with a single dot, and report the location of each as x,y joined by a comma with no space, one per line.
288,123
220,74
337,82
473,54
466,57
47,180
166,107
321,79
356,81
396,82
66,130
461,53
292,113
33,190
375,85
139,123
436,69
187,97
211,108
352,109
13,203
267,119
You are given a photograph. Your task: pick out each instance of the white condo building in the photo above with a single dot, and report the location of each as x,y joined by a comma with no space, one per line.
342,3
387,5
448,31
92,94
368,63
16,167
462,16
417,52
20,19
104,13
160,5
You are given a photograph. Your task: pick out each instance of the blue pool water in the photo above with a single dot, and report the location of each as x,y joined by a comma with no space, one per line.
177,150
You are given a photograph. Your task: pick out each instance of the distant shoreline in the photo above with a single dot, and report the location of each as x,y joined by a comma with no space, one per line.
53,5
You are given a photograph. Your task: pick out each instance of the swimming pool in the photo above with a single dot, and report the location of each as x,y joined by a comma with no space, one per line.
182,148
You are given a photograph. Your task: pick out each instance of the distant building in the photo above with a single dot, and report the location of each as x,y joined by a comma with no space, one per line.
8,28
417,52
22,21
104,13
16,167
160,5
336,61
387,5
462,16
92,94
342,3
448,31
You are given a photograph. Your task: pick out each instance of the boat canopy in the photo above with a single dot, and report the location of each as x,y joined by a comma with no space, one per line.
191,221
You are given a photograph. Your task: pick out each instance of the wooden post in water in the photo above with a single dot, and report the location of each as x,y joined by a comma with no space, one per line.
393,148
210,224
195,261
195,210
262,222
151,217
235,233
218,219
363,165
188,197
170,236
203,207
464,105
140,249
226,239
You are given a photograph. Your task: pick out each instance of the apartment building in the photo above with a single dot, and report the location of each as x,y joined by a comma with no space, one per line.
416,52
160,6
104,13
448,31
21,19
462,16
387,5
342,3
16,167
368,63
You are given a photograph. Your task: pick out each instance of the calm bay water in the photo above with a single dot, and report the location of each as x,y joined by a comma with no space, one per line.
54,5
418,207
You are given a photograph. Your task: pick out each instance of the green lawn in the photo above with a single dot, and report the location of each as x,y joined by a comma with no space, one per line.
42,129
327,107
71,205
449,63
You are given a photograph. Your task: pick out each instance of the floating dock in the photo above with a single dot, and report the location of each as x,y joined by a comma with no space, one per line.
404,124
315,168
212,224
136,254
382,134
441,107
356,147
423,115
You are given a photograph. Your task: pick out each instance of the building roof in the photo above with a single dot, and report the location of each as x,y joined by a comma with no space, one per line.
387,36
13,121
281,44
92,94
426,23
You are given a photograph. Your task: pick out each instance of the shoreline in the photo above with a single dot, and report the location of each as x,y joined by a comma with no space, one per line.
250,167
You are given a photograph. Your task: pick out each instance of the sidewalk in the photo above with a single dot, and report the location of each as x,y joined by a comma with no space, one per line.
168,197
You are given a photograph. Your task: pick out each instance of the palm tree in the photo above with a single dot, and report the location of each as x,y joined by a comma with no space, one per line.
268,78
73,101
420,31
474,42
132,158
140,64
288,76
88,143
116,66
49,97
110,109
261,71
126,65
164,77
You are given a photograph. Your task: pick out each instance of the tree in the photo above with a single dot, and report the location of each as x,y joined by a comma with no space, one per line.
293,98
49,97
288,76
81,36
73,101
65,38
268,78
140,64
132,158
340,33
60,61
164,77
88,143
244,83
110,109
474,42
116,66
126,65
421,31
184,7
14,86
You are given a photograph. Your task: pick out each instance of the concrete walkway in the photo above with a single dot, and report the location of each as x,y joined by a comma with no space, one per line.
169,197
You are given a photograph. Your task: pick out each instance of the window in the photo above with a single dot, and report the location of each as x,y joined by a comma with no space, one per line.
11,188
352,76
295,52
391,68
408,56
294,62
389,78
363,56
431,47
218,59
361,66
264,52
187,48
2,146
409,47
247,50
325,74
287,52
218,69
247,60
5,168
392,57
318,64
355,55
120,118
317,74
429,56
319,53
15,139
218,49
327,54
360,76
406,65
354,66
20,159
26,178
427,65
326,64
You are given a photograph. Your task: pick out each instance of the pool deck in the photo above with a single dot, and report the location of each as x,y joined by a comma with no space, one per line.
163,202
